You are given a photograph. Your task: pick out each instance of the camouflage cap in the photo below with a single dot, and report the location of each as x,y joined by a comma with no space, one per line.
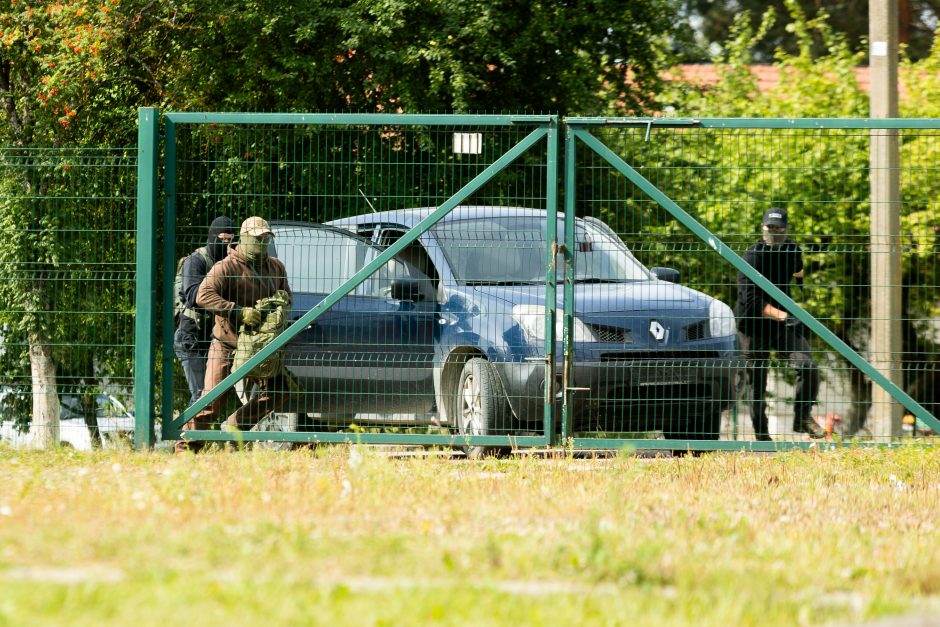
255,227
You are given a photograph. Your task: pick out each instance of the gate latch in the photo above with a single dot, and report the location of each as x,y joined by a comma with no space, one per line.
649,123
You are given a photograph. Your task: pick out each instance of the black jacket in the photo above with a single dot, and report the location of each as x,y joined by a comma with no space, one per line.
195,269
778,264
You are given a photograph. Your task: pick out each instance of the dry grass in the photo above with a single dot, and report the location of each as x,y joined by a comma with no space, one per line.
348,535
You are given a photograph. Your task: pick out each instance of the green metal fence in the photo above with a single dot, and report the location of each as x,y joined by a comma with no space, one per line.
67,289
690,195
395,233
438,298
422,250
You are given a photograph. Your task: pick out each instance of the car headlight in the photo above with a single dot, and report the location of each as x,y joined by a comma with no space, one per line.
720,319
532,320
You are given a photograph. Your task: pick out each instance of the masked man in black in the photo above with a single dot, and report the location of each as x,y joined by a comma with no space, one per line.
765,326
194,333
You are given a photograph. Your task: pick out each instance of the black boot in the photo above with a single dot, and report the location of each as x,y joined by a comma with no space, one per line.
761,433
806,424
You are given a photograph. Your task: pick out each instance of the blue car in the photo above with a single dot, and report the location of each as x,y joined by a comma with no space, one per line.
452,330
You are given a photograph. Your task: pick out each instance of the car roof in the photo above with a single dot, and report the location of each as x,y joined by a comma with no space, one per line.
414,215
316,225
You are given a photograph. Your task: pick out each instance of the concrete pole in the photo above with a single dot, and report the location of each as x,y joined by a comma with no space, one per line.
884,419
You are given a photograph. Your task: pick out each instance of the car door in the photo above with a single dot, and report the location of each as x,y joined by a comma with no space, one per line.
342,360
406,314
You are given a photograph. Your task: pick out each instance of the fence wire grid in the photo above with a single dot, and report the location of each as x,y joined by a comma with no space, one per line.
67,288
470,281
444,340
789,384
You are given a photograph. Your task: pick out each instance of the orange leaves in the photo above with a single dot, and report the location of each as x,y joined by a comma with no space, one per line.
64,45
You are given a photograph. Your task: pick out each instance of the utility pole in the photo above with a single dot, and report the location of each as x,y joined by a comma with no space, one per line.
884,420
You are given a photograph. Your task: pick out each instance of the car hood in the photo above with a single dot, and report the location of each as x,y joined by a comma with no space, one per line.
605,297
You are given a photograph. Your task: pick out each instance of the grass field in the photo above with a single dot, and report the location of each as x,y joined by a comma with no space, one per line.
349,535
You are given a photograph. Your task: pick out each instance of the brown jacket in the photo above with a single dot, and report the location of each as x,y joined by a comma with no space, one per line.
232,284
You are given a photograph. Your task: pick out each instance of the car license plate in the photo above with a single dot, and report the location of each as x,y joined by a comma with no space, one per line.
659,376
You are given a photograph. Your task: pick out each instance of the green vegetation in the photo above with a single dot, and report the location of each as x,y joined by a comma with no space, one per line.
917,20
349,535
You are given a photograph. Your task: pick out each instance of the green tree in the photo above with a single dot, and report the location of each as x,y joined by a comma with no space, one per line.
411,55
58,62
711,22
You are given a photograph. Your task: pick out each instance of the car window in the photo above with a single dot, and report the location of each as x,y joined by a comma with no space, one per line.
70,408
379,284
318,260
497,250
109,407
414,255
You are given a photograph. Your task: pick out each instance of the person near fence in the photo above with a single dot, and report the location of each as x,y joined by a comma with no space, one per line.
766,326
231,291
194,329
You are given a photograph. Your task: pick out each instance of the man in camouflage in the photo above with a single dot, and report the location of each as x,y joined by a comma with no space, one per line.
231,291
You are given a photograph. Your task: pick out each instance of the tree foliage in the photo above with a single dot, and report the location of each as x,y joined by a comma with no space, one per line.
411,55
710,22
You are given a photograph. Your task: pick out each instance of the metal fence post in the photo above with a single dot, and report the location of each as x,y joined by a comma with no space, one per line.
169,430
147,150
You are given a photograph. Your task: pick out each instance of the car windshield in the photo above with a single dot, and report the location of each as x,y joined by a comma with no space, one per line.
511,251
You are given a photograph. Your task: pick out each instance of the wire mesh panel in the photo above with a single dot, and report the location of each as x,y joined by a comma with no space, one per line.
686,345
422,327
67,294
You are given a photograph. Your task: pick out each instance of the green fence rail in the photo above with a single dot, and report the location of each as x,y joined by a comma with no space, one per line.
67,293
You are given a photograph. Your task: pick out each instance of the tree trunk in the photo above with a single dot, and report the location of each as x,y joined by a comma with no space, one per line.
905,21
45,425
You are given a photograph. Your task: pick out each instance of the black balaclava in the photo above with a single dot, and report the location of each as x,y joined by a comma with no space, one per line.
216,247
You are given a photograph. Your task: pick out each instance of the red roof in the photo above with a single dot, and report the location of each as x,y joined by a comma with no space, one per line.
768,76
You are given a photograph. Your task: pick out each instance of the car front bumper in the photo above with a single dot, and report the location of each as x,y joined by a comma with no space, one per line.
624,395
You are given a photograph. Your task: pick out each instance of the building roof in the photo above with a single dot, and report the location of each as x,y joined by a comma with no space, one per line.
767,76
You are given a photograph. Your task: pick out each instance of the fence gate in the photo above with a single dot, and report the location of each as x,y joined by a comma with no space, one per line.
653,355
419,256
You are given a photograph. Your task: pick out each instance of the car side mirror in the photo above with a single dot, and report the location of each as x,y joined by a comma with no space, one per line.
407,290
666,274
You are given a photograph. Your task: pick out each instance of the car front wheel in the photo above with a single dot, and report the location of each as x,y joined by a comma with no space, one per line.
481,407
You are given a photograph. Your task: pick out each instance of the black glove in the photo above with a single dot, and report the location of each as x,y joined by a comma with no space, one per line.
792,322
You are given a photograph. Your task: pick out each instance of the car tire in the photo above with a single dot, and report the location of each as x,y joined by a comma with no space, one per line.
481,408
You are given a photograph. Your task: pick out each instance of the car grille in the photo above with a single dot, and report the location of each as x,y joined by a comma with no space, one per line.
611,335
674,394
672,354
698,331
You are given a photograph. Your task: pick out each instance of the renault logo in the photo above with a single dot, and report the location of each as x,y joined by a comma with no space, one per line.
658,331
